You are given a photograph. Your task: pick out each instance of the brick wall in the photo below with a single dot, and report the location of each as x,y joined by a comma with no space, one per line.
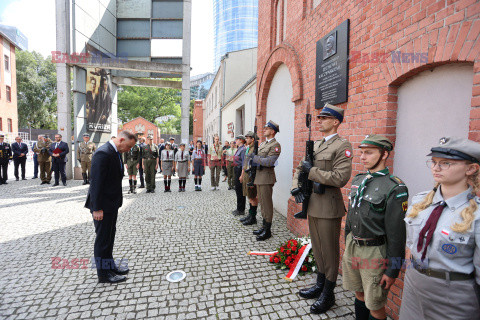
198,120
140,123
447,30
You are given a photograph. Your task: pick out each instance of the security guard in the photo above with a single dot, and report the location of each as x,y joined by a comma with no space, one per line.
374,230
150,163
132,159
330,171
85,152
5,157
249,191
443,235
268,153
44,159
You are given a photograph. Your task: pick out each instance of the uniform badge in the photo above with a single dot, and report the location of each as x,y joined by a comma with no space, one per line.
449,248
443,140
276,149
445,232
405,206
348,153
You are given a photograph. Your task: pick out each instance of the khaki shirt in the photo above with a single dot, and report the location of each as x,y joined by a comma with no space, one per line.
150,152
41,149
132,156
332,167
268,153
86,150
215,152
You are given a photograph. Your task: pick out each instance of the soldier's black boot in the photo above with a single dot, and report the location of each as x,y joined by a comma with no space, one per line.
252,217
267,233
84,176
260,231
315,291
326,300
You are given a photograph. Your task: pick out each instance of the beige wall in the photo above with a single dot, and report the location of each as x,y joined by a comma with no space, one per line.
8,110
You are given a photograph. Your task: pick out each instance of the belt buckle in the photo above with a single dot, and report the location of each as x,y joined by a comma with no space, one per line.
356,240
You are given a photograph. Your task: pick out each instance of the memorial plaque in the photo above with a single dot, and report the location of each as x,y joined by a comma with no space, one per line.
331,85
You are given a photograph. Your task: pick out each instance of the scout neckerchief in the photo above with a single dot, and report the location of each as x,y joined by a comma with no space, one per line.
182,155
363,185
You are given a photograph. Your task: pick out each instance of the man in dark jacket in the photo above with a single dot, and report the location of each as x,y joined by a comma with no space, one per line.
104,199
20,151
58,150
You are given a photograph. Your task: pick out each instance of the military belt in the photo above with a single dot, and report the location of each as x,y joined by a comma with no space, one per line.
444,275
369,242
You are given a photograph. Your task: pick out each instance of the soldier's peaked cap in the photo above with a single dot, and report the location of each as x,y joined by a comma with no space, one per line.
86,135
376,140
457,149
273,125
332,111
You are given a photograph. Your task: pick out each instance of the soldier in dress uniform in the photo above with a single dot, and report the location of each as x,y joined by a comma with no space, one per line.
182,165
5,157
44,159
85,152
330,171
132,160
168,167
141,144
443,235
249,191
150,163
374,230
268,153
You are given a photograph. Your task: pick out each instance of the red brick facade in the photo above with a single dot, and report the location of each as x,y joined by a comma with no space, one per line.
198,120
447,30
143,127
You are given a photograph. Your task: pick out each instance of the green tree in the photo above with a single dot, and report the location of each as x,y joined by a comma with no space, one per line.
37,90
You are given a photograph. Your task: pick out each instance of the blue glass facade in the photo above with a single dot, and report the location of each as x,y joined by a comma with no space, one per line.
235,26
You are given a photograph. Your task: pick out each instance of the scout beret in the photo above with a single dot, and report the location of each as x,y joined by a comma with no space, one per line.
332,111
251,134
273,125
241,137
376,140
457,148
86,135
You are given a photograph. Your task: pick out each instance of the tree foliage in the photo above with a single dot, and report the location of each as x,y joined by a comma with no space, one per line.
36,90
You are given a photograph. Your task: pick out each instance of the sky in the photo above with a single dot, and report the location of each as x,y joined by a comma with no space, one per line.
36,19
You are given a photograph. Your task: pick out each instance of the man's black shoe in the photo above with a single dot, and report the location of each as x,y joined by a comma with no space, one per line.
242,220
152,191
148,191
141,186
24,178
43,182
55,184
47,182
260,231
266,234
238,213
250,221
111,277
64,184
16,179
121,270
34,178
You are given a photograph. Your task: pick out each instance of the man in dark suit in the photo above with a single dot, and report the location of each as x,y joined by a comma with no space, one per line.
104,199
20,151
59,158
104,103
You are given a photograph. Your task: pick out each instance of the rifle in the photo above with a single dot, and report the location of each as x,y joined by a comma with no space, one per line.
252,169
304,184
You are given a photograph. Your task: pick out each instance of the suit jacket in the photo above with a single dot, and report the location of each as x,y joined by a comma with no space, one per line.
17,150
332,167
63,155
268,153
104,108
105,192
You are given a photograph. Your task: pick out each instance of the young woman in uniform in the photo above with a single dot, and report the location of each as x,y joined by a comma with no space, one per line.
443,234
182,165
167,165
198,159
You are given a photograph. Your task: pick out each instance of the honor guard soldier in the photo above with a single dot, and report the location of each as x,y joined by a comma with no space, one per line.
249,189
374,230
44,159
268,153
167,162
132,160
150,163
85,152
443,235
330,171
182,165
5,157
141,143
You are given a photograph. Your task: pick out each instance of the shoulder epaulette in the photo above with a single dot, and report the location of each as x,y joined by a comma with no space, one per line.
396,180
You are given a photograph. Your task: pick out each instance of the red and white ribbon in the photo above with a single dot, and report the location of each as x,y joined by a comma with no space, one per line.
260,253
297,264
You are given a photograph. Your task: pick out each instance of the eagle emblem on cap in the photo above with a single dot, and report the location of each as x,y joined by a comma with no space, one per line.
443,140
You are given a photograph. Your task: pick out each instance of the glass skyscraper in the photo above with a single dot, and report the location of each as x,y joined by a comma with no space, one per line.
235,26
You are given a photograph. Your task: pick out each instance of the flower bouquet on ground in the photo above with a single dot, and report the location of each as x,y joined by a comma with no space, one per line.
295,255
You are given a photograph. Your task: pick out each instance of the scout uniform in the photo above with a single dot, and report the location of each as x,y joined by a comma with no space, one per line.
249,191
150,156
444,271
215,157
44,160
84,155
198,158
230,153
5,157
331,170
374,232
268,153
132,159
182,161
167,158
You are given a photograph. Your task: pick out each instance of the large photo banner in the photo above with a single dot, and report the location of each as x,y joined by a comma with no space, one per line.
99,101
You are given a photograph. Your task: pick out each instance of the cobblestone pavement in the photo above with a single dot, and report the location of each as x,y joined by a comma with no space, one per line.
157,233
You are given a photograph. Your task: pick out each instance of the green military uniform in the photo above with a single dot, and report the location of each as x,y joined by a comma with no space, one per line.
150,156
132,159
85,153
44,160
249,191
374,230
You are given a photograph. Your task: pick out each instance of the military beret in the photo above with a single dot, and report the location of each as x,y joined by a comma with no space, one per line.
376,140
86,135
457,149
241,137
273,125
332,111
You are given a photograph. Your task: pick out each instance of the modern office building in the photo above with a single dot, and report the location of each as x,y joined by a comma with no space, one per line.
235,26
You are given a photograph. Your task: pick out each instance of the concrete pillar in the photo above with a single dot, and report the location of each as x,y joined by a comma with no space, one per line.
64,103
187,35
